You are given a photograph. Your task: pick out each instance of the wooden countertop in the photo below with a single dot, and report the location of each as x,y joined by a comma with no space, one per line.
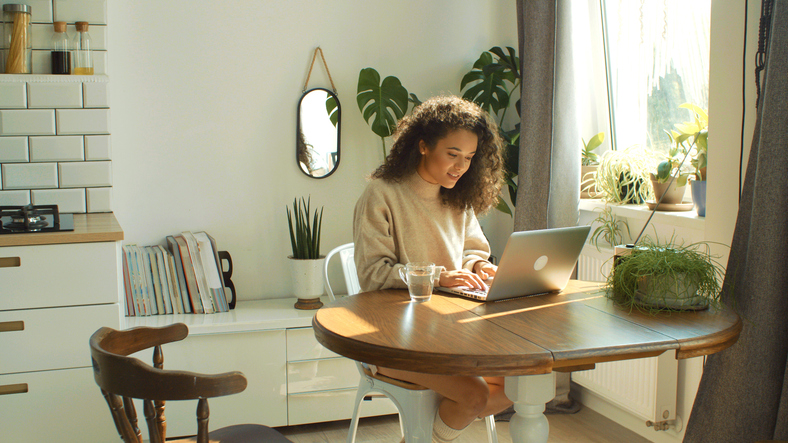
88,228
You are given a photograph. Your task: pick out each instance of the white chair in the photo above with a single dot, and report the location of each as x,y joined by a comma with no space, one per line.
416,404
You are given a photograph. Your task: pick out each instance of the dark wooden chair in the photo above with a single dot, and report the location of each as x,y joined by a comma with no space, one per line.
123,378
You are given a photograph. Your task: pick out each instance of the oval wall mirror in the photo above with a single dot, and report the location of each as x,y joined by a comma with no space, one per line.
317,133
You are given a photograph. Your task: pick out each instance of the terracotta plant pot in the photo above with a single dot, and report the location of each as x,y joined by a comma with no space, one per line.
673,194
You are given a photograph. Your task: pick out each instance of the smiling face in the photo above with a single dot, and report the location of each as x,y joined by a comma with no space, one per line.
451,156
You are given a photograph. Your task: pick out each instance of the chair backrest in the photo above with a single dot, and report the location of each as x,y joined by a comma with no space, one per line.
348,269
123,378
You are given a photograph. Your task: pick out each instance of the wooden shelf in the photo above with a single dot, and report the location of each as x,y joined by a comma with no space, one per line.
51,78
88,228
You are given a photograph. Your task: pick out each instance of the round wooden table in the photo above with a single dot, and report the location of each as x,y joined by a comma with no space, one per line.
524,339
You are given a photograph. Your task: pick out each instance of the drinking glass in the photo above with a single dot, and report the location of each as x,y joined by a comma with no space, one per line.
418,276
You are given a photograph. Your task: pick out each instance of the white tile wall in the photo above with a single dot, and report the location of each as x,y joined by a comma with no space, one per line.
52,149
12,95
99,199
14,198
67,200
97,147
54,95
91,11
27,122
82,121
95,95
85,174
29,175
13,150
54,130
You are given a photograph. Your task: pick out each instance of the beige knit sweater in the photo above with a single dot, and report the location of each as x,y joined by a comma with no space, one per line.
398,223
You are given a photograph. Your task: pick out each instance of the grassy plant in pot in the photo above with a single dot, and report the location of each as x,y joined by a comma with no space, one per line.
658,277
692,136
306,263
589,164
622,176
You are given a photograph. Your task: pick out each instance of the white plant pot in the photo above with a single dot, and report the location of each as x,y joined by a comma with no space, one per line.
663,291
307,275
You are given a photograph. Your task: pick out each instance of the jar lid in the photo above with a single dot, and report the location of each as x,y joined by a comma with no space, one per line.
81,26
60,26
13,7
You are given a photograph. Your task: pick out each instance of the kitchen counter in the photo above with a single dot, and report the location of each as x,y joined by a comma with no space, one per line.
88,228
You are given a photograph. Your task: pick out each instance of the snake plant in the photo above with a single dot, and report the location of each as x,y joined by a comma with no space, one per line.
304,234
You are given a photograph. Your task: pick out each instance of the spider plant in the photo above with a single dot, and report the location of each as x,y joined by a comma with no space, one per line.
623,175
609,228
669,276
304,234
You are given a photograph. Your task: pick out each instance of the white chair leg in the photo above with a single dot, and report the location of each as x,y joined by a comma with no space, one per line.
351,434
492,435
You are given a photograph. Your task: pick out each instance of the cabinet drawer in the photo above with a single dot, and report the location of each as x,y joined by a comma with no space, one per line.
51,338
321,375
59,275
58,406
316,407
302,345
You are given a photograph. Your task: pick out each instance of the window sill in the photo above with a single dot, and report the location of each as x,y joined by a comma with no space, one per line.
683,219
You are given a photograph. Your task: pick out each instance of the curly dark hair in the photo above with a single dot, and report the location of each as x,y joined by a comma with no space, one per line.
434,119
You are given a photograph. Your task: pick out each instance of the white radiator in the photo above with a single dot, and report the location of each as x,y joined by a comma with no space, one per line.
645,387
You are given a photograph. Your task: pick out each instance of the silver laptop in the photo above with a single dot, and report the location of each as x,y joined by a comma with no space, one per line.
533,263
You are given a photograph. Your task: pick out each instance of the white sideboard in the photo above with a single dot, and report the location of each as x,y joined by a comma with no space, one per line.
292,378
56,289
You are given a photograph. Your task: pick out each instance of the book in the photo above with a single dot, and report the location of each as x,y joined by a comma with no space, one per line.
219,269
154,287
142,284
172,283
199,272
164,284
176,256
190,277
127,283
211,270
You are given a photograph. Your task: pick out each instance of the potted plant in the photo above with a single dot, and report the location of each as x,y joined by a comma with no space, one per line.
663,182
609,228
306,263
669,276
692,136
623,175
589,164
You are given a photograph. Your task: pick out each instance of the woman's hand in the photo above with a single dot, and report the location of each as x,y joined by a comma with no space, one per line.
462,277
484,269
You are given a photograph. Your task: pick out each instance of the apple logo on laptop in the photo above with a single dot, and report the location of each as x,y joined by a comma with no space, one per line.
540,263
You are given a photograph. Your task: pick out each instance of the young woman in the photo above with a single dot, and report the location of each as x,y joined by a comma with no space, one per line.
445,167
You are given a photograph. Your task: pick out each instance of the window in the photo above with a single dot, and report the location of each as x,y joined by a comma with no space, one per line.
657,55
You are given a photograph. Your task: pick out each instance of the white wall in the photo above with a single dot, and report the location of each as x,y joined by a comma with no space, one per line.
204,97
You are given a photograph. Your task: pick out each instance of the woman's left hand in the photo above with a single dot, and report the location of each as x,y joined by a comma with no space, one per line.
484,269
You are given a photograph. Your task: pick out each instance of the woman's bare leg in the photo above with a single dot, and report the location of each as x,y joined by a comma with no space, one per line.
498,400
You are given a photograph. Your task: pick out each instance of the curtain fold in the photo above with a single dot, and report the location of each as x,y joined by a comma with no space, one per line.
743,394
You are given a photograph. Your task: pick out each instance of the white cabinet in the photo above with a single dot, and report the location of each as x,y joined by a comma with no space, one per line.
52,298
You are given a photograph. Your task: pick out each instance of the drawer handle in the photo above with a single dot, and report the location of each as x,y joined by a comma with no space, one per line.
19,388
10,262
8,326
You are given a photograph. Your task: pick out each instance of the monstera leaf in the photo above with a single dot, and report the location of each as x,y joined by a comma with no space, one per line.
487,79
381,104
332,109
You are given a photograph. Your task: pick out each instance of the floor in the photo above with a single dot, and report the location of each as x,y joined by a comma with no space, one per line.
585,426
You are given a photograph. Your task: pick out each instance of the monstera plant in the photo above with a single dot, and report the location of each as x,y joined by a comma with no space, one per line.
491,82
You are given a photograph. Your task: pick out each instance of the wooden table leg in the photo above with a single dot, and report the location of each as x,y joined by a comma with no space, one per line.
530,393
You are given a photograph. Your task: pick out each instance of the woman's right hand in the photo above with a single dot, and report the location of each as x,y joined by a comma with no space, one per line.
462,277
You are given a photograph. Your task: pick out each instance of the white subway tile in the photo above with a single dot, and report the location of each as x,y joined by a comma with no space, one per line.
41,10
91,11
82,121
14,198
58,148
42,36
29,175
42,63
99,62
13,149
95,95
12,95
85,174
99,199
27,122
97,147
68,201
54,95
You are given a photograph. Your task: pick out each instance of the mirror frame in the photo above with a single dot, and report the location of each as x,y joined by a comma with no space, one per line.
338,127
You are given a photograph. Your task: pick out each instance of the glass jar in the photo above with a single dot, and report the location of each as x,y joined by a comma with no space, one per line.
17,39
61,58
81,57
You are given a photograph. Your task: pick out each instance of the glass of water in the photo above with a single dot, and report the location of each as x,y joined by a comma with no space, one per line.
418,276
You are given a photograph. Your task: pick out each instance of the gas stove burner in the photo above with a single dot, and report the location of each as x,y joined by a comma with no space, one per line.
33,218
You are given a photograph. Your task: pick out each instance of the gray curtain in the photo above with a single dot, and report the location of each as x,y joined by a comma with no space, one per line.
743,394
548,182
